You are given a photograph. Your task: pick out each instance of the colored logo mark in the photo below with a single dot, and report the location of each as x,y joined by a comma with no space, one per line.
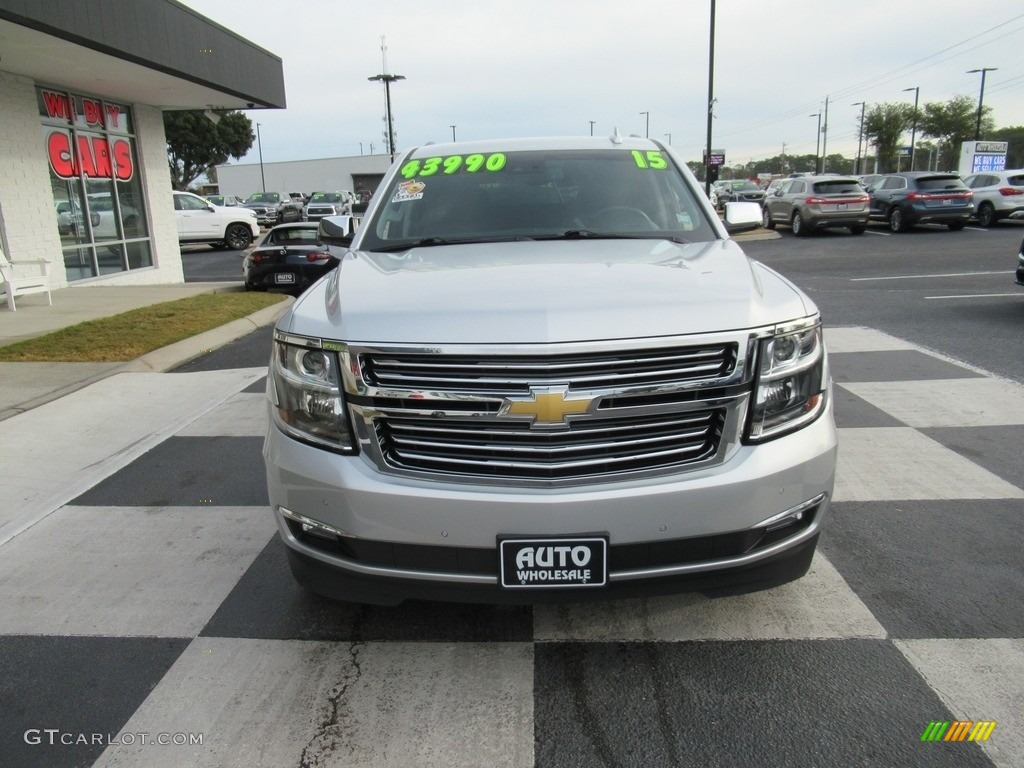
958,730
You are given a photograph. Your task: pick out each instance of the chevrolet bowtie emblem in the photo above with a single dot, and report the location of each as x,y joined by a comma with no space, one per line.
548,406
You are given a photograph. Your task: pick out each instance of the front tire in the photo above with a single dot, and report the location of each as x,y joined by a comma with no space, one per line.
986,215
237,237
766,219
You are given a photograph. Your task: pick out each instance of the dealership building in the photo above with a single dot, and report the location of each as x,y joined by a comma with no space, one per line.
84,180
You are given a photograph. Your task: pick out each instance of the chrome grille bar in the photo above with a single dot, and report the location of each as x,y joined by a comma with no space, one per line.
505,374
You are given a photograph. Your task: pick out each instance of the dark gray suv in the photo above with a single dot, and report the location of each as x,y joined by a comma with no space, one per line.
921,197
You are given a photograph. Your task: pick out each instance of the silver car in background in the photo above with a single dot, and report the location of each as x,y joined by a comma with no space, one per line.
809,203
543,371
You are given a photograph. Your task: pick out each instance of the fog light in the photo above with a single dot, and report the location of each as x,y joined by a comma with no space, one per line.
313,527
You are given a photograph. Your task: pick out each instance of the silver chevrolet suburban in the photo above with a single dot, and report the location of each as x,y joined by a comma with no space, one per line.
543,371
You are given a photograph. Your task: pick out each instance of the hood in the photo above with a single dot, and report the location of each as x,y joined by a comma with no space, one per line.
544,292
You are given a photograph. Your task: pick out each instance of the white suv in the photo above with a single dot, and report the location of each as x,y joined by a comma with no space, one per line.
997,195
199,221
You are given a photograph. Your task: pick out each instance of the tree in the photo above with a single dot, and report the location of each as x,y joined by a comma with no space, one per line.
1014,134
884,126
195,143
952,123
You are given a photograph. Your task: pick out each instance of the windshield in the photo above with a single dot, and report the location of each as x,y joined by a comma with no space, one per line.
263,197
325,197
744,186
536,195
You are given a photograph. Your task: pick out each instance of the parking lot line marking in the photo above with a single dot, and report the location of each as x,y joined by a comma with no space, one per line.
975,296
875,232
917,277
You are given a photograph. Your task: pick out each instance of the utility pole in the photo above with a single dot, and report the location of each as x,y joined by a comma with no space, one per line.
592,127
453,131
647,131
782,164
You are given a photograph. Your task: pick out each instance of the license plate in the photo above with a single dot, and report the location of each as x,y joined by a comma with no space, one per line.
559,563
841,207
284,277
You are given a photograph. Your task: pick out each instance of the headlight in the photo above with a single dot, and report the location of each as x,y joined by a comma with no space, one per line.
306,394
791,386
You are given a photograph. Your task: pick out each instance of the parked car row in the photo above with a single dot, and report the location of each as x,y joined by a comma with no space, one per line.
900,200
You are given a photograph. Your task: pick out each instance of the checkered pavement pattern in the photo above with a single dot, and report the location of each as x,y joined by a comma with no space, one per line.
144,596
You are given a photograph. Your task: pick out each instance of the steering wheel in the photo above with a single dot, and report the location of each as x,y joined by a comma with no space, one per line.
623,217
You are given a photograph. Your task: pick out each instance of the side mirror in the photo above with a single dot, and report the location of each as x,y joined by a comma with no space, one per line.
336,230
742,217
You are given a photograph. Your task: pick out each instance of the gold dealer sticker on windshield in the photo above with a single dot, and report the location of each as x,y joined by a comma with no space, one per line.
408,190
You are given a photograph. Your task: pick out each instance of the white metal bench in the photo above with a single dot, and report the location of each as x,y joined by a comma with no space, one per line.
23,277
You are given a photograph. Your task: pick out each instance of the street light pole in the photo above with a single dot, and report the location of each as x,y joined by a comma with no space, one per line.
259,145
647,130
981,97
913,130
592,127
824,140
453,131
388,80
817,145
860,136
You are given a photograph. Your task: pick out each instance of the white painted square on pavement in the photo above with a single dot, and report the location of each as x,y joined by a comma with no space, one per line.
974,402
127,571
856,339
820,605
978,680
294,702
900,463
243,415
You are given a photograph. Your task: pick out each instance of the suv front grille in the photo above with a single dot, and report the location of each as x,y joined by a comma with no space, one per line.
514,375
652,407
589,447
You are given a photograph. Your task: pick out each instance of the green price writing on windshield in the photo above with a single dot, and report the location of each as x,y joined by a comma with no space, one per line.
652,159
454,164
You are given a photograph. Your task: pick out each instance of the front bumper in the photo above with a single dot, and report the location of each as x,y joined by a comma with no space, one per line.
412,538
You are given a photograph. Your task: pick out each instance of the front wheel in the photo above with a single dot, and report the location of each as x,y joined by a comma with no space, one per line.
237,237
766,219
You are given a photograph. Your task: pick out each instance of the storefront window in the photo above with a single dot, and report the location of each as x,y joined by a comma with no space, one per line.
97,192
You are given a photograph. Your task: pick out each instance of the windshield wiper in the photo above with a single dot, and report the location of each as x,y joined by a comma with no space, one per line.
426,242
586,234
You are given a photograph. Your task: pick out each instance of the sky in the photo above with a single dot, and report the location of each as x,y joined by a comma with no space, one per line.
512,68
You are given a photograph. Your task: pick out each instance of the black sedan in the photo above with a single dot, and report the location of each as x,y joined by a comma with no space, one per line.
288,257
